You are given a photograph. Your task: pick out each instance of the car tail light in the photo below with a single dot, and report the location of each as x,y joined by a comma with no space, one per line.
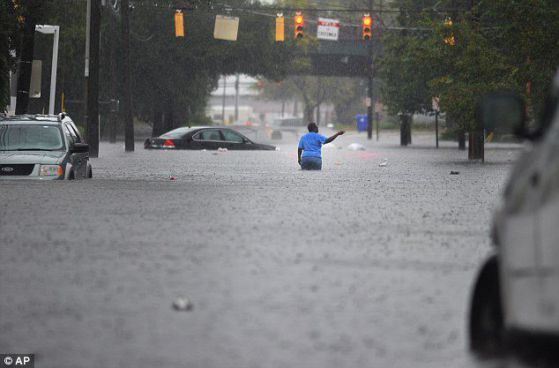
168,144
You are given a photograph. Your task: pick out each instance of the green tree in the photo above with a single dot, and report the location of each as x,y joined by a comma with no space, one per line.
526,33
8,40
173,77
496,45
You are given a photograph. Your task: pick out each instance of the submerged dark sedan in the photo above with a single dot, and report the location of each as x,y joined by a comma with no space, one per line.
210,138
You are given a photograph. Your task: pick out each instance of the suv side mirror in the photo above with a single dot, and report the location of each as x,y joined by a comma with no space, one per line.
504,112
80,148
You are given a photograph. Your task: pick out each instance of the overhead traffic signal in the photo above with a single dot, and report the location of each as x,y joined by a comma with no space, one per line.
280,28
448,37
366,27
299,25
179,23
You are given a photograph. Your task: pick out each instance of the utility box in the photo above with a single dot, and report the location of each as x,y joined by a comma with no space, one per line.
362,121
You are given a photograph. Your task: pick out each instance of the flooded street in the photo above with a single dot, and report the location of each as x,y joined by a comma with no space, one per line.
359,265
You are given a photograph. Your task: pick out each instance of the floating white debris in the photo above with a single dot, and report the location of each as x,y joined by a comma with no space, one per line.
221,149
356,147
182,304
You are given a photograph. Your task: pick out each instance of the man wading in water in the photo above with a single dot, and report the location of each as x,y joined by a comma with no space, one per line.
310,146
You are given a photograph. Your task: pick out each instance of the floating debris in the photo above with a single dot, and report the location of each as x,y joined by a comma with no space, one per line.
356,147
455,173
182,304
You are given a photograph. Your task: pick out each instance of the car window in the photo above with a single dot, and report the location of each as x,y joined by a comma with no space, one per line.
208,135
176,133
71,134
30,137
75,133
231,136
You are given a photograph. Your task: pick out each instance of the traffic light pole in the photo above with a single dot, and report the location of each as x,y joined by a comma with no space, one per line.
370,72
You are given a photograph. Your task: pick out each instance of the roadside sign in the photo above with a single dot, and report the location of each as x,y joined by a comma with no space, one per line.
226,28
36,72
328,29
435,104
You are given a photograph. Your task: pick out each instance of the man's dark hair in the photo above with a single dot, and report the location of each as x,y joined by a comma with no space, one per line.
312,127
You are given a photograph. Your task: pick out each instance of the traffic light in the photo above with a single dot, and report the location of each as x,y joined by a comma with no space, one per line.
280,28
448,38
299,25
367,27
179,23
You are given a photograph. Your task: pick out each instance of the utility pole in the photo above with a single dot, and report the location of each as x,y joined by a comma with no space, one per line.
318,99
370,86
125,91
376,117
436,129
223,100
237,97
55,31
92,77
114,45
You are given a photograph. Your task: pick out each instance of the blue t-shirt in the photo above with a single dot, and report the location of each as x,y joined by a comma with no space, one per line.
311,143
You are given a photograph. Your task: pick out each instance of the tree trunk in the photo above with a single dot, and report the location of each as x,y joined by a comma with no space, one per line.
462,140
409,129
113,122
309,112
169,119
158,127
405,129
476,146
26,59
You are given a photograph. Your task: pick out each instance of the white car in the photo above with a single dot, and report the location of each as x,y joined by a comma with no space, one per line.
516,293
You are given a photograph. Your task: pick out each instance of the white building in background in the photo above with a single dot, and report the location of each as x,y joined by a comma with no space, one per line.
252,110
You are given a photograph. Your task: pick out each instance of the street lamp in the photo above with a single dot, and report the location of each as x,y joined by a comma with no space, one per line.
54,30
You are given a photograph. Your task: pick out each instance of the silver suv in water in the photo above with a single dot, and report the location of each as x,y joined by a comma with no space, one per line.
42,147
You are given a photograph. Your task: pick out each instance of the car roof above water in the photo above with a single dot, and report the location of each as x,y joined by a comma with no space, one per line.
31,119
